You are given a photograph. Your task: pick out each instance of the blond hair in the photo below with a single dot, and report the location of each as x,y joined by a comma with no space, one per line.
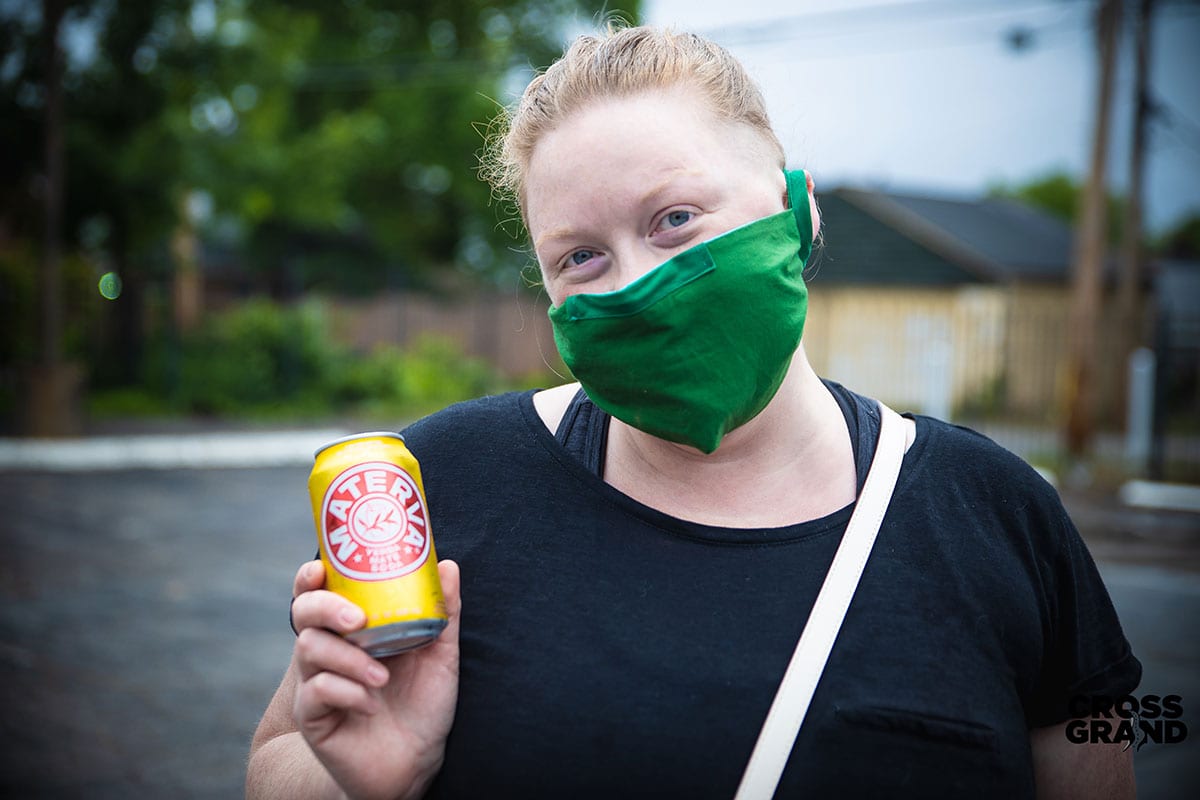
619,63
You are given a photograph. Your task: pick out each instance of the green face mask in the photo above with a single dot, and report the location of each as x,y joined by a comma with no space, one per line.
700,344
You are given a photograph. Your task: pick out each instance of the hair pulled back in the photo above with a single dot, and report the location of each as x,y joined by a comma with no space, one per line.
620,63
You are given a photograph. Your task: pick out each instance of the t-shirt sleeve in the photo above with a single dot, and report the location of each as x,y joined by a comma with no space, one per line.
1086,652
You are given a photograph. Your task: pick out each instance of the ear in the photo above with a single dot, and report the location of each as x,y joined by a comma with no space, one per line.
812,203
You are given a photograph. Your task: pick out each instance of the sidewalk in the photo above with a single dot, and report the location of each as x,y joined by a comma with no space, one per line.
279,448
1125,534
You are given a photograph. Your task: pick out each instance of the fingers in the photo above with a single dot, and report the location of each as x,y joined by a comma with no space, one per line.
326,693
450,576
319,608
334,673
312,607
311,575
448,573
322,619
320,651
336,676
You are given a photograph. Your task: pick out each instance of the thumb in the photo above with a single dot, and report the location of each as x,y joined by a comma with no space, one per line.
449,574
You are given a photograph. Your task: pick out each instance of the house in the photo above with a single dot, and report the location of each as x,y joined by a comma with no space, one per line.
947,306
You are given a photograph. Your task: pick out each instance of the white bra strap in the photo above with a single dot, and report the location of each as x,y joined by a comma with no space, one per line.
799,682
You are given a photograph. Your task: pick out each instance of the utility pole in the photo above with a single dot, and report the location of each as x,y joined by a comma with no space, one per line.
51,272
187,289
53,384
1131,330
1087,271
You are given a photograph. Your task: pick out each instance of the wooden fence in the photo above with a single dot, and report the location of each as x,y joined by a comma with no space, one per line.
996,353
510,330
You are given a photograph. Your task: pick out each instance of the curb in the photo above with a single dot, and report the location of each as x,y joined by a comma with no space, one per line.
1166,496
186,451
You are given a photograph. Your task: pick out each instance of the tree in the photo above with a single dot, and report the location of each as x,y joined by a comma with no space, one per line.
1057,193
1182,241
120,163
319,144
338,143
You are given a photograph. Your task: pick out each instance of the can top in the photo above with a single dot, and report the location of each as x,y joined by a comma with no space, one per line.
351,437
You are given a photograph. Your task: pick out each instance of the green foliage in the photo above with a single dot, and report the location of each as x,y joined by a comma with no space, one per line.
306,127
350,128
1056,193
129,402
19,311
325,145
1183,240
988,401
254,358
266,360
1060,195
18,302
432,374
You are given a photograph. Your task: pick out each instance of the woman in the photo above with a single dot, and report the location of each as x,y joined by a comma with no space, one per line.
639,557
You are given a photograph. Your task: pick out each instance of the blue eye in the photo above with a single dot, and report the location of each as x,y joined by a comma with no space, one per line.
677,218
581,257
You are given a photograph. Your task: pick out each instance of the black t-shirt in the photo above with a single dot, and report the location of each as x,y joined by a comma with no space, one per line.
610,650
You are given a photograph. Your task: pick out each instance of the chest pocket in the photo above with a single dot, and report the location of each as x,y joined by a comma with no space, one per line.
922,725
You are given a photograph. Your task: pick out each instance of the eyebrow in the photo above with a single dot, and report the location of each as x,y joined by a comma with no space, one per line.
567,232
557,233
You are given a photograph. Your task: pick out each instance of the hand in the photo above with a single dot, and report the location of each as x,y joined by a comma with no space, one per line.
378,726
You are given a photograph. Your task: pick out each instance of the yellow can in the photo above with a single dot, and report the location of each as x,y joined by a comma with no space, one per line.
375,539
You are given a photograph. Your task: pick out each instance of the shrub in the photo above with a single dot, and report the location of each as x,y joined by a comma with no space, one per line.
263,359
433,373
255,358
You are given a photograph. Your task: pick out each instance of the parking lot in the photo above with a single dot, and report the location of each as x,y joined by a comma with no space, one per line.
144,624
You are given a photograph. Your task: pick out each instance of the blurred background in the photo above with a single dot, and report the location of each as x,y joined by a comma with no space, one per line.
230,230
271,211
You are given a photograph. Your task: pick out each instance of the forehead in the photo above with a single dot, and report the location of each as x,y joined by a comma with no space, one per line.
617,146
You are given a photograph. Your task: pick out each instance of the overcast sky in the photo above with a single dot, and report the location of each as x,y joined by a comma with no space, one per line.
926,96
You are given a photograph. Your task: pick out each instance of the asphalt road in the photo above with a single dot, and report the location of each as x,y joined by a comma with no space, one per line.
144,625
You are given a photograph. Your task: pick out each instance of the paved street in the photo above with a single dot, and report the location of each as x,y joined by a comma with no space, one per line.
145,625
1160,611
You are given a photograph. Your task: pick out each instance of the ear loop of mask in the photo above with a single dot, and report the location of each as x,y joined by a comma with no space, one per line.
797,186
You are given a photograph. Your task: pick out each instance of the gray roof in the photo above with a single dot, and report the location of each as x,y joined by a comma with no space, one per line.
858,248
983,239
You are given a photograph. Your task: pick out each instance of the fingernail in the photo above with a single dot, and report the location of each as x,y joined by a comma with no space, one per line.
351,616
377,674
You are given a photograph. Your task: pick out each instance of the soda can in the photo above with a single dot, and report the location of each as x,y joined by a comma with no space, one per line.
376,541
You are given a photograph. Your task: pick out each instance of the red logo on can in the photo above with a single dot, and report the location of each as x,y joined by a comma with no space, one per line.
374,523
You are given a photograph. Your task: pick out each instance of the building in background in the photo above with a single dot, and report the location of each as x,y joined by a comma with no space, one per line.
952,307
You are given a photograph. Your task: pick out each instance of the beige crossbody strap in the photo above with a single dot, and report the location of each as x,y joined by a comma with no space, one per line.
812,651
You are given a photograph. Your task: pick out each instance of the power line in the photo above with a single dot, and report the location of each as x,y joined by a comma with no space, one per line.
470,63
1011,27
859,19
1184,130
1071,17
